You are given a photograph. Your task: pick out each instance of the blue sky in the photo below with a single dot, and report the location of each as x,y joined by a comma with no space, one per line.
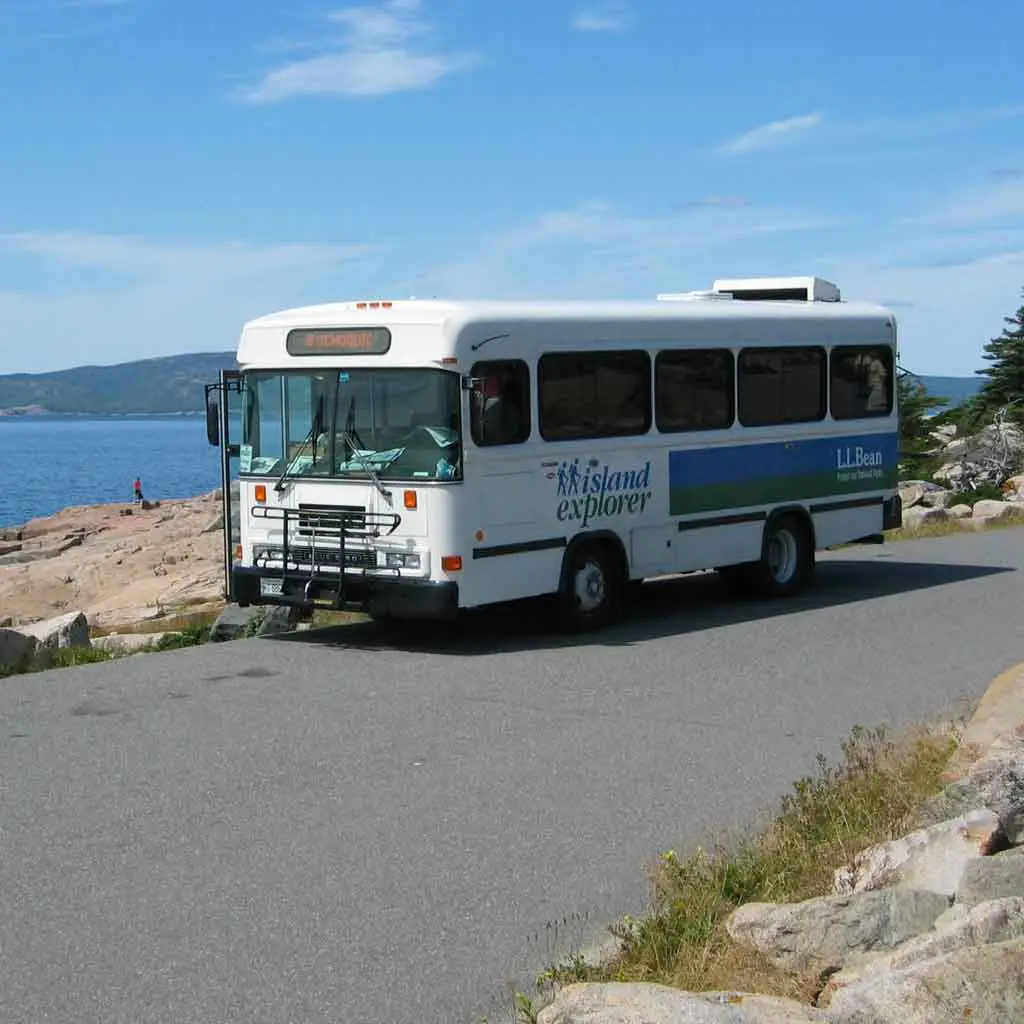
170,170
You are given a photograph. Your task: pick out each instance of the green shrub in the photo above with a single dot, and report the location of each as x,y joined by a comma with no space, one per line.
985,491
68,657
190,636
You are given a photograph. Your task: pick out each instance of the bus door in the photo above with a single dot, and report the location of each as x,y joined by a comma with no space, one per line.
223,422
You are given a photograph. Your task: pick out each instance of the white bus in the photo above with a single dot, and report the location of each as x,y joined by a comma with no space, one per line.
416,458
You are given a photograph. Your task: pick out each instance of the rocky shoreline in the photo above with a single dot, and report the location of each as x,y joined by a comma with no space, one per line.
123,566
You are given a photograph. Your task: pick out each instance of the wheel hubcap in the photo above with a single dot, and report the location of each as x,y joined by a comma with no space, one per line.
782,556
590,587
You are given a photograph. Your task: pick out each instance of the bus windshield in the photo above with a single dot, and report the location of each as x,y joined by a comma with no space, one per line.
393,424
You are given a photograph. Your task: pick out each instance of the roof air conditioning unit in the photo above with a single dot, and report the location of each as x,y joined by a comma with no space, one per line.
775,289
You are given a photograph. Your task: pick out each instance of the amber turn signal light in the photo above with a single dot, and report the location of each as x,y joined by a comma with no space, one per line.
451,563
410,499
261,493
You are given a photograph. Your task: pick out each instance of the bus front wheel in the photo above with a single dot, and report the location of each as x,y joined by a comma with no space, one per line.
591,592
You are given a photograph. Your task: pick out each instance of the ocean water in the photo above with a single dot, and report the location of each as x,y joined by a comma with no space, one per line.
48,463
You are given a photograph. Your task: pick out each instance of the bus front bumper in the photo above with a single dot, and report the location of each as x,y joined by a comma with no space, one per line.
383,596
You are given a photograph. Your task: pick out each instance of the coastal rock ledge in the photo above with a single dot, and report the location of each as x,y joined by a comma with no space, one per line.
926,929
120,565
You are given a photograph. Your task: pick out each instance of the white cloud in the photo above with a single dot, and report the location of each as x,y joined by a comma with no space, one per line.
610,17
611,252
382,50
770,136
999,202
842,142
118,298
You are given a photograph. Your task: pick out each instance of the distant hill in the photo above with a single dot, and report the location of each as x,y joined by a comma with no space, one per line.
172,384
953,389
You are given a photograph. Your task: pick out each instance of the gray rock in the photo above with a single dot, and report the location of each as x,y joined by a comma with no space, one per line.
278,619
911,494
215,524
235,622
959,928
821,935
937,499
960,511
40,554
987,508
914,517
983,985
930,859
70,630
130,643
995,782
992,878
658,1004
17,649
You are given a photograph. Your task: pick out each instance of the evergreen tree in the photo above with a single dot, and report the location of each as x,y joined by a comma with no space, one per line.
1004,377
915,403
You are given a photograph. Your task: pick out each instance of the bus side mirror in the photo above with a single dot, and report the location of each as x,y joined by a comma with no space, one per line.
212,416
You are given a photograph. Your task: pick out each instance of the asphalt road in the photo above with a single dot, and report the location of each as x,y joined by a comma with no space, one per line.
344,827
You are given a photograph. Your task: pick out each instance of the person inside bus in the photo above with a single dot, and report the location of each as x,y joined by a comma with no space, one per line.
873,382
503,414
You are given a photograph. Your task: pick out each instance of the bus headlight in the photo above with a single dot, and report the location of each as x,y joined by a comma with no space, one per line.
403,560
261,555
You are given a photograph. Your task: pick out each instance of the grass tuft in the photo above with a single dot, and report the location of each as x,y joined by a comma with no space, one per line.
191,635
869,796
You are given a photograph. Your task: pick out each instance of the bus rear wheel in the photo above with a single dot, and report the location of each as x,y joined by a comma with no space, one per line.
591,592
786,564
787,559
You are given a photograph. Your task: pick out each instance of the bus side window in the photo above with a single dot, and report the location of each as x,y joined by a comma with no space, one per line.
861,381
501,407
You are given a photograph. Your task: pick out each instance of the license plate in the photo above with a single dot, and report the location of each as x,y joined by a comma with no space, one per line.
270,587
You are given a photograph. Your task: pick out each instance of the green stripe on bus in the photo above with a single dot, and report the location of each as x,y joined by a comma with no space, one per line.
774,490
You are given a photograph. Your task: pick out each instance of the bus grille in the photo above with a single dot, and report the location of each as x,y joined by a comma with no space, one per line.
355,558
330,519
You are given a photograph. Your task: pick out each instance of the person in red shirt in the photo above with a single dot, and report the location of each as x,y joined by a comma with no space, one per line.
138,490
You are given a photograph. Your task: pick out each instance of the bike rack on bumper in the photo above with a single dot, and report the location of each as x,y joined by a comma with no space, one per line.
333,574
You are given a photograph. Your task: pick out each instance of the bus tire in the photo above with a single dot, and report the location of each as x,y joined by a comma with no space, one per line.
787,557
591,593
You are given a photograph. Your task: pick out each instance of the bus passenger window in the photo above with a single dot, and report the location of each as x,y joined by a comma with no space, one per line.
781,385
694,389
501,405
861,381
594,394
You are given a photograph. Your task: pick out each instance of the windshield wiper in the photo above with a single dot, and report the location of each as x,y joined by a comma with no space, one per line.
314,430
346,436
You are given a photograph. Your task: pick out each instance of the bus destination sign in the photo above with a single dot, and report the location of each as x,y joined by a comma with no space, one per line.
326,341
